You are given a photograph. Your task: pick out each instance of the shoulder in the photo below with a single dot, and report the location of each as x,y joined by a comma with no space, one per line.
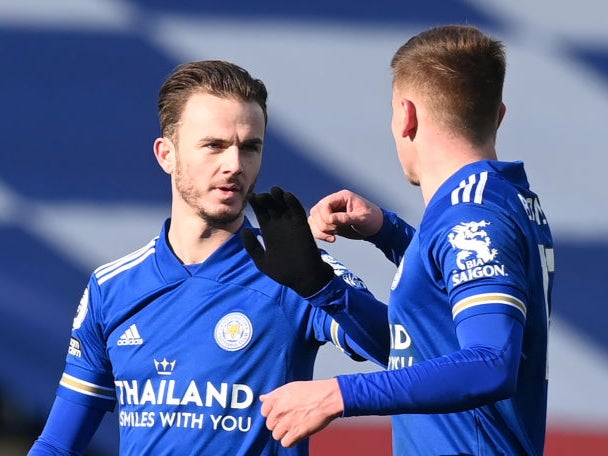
484,187
134,260
485,204
489,189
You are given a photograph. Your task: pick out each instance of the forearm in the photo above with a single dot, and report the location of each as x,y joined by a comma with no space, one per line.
468,378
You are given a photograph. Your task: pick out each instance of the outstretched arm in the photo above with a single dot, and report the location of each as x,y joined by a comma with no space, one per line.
483,371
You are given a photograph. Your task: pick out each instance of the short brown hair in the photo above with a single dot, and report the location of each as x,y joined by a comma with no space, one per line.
216,77
460,73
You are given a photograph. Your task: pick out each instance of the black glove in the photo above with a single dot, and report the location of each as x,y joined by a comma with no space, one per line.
291,257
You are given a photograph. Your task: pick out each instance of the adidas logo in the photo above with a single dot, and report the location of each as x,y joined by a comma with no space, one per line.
130,337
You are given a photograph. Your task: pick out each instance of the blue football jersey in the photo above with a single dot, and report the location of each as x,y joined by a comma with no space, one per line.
483,246
482,255
185,351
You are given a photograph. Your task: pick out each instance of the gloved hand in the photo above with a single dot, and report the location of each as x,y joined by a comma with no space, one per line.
291,256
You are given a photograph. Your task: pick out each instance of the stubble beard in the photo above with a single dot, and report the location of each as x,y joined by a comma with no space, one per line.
218,218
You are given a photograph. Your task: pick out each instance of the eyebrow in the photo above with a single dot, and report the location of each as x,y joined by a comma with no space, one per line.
250,141
253,142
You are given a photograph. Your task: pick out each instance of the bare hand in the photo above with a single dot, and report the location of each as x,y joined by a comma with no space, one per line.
345,214
299,409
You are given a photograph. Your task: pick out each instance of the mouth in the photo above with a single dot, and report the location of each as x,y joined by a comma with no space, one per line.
229,189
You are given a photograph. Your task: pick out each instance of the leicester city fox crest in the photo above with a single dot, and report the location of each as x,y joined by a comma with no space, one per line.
475,252
234,331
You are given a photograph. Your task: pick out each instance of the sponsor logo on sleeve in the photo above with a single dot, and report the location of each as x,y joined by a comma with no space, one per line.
75,348
342,271
475,257
82,310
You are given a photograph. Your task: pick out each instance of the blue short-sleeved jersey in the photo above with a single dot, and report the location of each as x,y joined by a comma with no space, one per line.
185,351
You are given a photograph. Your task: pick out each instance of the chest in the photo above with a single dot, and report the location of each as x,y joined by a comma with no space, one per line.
200,330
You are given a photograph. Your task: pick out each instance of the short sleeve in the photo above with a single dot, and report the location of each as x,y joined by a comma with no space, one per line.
87,378
481,253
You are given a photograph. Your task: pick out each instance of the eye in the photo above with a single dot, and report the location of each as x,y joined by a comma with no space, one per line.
251,147
214,145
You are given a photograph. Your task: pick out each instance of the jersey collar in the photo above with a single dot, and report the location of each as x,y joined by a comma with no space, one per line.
172,269
512,171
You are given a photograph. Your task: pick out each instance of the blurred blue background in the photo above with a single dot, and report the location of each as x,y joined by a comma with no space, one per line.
79,184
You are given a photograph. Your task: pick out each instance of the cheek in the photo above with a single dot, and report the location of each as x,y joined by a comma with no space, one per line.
394,127
191,172
253,164
403,158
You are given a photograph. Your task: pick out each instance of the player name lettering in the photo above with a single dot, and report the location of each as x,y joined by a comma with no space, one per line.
489,270
533,210
167,392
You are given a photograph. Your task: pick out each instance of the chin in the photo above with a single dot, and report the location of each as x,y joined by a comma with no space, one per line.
223,216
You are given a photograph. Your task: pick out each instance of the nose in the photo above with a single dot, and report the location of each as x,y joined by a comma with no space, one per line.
232,162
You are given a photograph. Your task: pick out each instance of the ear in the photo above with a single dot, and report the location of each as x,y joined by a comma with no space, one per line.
501,113
164,151
408,119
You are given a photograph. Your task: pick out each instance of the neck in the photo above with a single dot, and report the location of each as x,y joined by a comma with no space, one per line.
444,159
193,240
